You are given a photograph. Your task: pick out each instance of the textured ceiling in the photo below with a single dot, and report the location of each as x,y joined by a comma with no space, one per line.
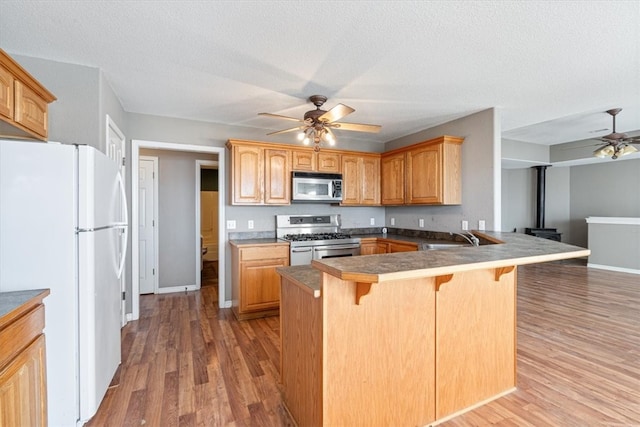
551,67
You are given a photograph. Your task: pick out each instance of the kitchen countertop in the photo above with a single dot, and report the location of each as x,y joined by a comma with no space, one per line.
516,249
257,242
9,301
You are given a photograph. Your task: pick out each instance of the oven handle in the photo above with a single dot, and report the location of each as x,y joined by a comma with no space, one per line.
346,246
296,250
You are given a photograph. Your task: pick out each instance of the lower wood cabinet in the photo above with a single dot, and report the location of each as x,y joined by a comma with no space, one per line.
23,385
370,246
255,283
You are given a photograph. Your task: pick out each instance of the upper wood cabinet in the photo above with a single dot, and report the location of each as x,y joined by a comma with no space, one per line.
426,173
259,175
360,179
313,161
23,102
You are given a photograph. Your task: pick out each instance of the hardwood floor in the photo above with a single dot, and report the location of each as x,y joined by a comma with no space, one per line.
187,362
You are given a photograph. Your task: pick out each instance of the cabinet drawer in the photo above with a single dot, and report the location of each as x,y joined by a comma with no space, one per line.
264,252
17,335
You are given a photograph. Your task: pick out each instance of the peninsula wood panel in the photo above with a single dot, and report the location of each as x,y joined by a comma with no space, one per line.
360,343
475,339
301,341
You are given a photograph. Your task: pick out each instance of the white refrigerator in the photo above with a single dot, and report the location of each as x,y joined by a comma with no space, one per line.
63,226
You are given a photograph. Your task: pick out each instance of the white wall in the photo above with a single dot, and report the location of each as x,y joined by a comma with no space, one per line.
480,176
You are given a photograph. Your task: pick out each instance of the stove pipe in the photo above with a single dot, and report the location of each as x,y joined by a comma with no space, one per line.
540,195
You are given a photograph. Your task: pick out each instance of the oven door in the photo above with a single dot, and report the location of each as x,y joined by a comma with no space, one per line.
336,251
300,255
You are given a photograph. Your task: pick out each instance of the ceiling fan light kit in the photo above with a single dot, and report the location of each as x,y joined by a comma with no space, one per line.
616,144
316,125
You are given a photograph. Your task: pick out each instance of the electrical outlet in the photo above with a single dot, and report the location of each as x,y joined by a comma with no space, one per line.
465,225
421,222
481,225
393,221
372,221
231,224
250,224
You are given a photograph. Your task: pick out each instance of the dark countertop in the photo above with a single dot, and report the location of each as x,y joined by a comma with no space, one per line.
9,301
516,249
305,276
405,238
257,242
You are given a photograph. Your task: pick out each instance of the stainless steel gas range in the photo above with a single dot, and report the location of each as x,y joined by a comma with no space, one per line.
315,237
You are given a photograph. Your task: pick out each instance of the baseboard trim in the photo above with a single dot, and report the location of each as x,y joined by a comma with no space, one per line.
173,289
612,268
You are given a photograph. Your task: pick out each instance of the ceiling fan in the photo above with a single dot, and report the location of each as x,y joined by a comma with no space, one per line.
616,144
317,124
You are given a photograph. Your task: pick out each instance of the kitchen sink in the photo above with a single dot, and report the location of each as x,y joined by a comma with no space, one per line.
432,246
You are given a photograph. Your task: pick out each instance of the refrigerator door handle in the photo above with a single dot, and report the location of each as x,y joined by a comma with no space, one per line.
124,226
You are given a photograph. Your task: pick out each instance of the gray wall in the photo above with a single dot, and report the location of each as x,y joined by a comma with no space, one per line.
480,176
176,215
75,116
605,189
519,199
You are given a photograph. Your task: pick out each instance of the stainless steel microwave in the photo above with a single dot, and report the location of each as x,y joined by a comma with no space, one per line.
316,187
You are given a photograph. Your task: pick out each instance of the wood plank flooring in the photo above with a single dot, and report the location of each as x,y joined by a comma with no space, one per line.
186,362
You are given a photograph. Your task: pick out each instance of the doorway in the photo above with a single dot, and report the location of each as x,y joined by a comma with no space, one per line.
137,145
207,200
147,220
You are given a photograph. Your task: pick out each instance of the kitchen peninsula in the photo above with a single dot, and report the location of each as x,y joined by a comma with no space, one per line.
410,338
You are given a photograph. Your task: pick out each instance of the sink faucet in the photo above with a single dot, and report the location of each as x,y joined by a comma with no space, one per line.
468,236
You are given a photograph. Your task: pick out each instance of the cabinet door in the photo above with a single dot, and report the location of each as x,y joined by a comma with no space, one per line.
30,109
368,247
248,175
6,93
370,181
424,175
328,162
351,180
260,284
402,247
383,247
277,177
23,389
303,160
392,179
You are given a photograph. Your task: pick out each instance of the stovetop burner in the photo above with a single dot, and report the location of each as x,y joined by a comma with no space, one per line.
306,237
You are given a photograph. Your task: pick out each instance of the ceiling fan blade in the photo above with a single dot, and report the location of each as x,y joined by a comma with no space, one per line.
358,127
287,130
336,113
278,116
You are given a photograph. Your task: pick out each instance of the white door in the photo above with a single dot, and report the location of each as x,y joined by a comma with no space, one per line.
116,152
147,186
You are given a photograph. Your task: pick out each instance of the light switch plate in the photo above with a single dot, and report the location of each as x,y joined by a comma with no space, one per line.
372,221
465,225
250,224
421,222
231,224
481,225
393,221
